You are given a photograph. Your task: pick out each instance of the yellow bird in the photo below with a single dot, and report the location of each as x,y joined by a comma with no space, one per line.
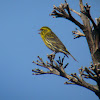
53,42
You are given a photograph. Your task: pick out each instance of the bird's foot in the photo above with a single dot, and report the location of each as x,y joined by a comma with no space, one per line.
51,56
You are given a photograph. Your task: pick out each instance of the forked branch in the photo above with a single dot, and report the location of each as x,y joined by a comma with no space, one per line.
77,34
60,12
58,68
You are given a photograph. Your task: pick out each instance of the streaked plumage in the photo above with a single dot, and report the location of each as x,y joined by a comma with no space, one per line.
53,42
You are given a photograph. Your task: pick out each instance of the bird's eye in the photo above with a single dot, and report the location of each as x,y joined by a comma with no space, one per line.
41,29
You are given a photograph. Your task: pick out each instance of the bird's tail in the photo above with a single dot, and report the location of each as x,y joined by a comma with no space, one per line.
73,57
67,53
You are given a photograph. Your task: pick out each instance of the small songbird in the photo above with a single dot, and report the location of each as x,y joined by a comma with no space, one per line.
53,42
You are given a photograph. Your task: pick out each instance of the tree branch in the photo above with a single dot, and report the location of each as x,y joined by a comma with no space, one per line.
75,12
77,34
60,12
87,31
87,13
57,67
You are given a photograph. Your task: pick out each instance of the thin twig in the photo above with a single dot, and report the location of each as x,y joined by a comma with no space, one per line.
75,11
77,34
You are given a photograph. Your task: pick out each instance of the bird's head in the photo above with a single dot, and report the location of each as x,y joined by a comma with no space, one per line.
44,30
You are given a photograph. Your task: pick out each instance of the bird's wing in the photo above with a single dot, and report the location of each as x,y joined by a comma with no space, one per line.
53,40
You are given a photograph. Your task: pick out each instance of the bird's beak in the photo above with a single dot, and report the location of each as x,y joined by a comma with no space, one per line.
39,30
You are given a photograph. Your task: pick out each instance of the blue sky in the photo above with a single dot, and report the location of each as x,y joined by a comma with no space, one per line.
20,44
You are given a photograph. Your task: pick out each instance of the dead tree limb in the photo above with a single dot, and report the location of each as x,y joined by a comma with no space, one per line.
58,68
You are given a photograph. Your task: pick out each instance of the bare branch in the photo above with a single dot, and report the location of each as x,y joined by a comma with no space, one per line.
69,83
39,72
78,34
60,12
90,74
87,31
81,71
56,67
81,5
87,13
66,65
75,11
75,75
